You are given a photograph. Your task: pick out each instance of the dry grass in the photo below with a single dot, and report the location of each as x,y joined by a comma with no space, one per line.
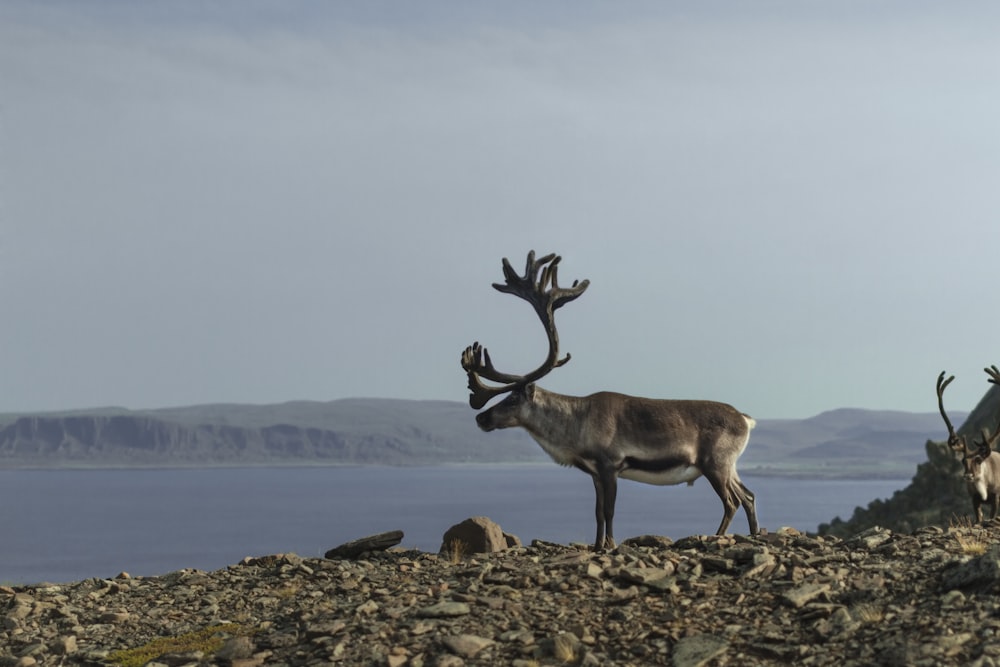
970,536
207,640
564,648
456,551
868,613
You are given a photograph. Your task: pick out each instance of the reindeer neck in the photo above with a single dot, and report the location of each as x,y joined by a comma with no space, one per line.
550,419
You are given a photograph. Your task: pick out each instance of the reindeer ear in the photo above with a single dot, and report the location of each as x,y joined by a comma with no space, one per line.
529,391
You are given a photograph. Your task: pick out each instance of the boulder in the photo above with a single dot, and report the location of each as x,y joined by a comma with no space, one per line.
477,534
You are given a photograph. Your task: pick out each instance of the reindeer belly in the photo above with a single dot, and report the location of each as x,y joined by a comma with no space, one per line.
660,475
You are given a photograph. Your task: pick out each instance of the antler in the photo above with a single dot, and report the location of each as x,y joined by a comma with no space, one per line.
990,440
954,440
545,295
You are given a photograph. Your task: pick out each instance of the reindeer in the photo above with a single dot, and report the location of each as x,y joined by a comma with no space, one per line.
981,463
609,435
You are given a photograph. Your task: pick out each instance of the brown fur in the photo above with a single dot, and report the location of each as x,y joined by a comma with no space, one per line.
610,435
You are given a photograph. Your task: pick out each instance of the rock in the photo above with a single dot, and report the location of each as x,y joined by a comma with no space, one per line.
466,646
648,541
379,542
64,645
236,648
113,617
475,535
800,595
871,538
444,610
981,572
698,650
642,575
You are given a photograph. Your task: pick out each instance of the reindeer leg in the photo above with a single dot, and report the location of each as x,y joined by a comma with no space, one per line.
606,487
748,500
598,511
609,480
730,500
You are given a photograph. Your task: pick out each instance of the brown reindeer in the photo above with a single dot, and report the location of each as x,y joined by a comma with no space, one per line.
609,435
981,464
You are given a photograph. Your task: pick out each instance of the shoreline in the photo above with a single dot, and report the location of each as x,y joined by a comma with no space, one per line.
768,472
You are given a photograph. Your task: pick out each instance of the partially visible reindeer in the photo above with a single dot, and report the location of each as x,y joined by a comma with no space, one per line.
981,463
609,435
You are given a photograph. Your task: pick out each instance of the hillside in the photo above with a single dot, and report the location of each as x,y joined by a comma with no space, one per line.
839,443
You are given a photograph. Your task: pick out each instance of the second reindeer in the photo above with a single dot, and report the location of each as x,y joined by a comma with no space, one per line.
981,463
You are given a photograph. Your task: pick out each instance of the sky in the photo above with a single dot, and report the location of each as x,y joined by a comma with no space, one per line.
786,206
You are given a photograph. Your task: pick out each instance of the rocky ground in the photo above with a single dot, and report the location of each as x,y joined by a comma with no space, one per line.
927,598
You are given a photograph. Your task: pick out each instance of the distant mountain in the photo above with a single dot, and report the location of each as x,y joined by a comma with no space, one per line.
842,443
350,432
847,442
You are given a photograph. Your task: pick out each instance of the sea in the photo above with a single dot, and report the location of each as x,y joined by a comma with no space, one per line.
60,526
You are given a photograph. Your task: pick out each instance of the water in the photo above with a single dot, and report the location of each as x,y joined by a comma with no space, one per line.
66,525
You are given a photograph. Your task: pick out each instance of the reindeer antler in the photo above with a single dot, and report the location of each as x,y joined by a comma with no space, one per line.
954,440
539,286
989,441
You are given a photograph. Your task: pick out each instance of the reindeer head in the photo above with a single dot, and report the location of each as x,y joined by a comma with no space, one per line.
544,294
972,459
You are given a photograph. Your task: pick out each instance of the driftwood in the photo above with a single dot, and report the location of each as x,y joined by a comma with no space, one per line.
355,548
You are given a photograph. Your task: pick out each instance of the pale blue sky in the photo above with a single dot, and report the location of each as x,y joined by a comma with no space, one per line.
786,206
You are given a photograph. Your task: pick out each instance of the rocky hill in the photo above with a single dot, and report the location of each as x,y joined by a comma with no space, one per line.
937,494
839,443
879,598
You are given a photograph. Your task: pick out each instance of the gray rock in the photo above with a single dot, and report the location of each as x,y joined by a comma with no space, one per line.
236,648
379,542
871,538
64,645
444,610
698,650
981,572
800,595
642,575
466,646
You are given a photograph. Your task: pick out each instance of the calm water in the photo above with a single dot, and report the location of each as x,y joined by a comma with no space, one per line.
65,525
